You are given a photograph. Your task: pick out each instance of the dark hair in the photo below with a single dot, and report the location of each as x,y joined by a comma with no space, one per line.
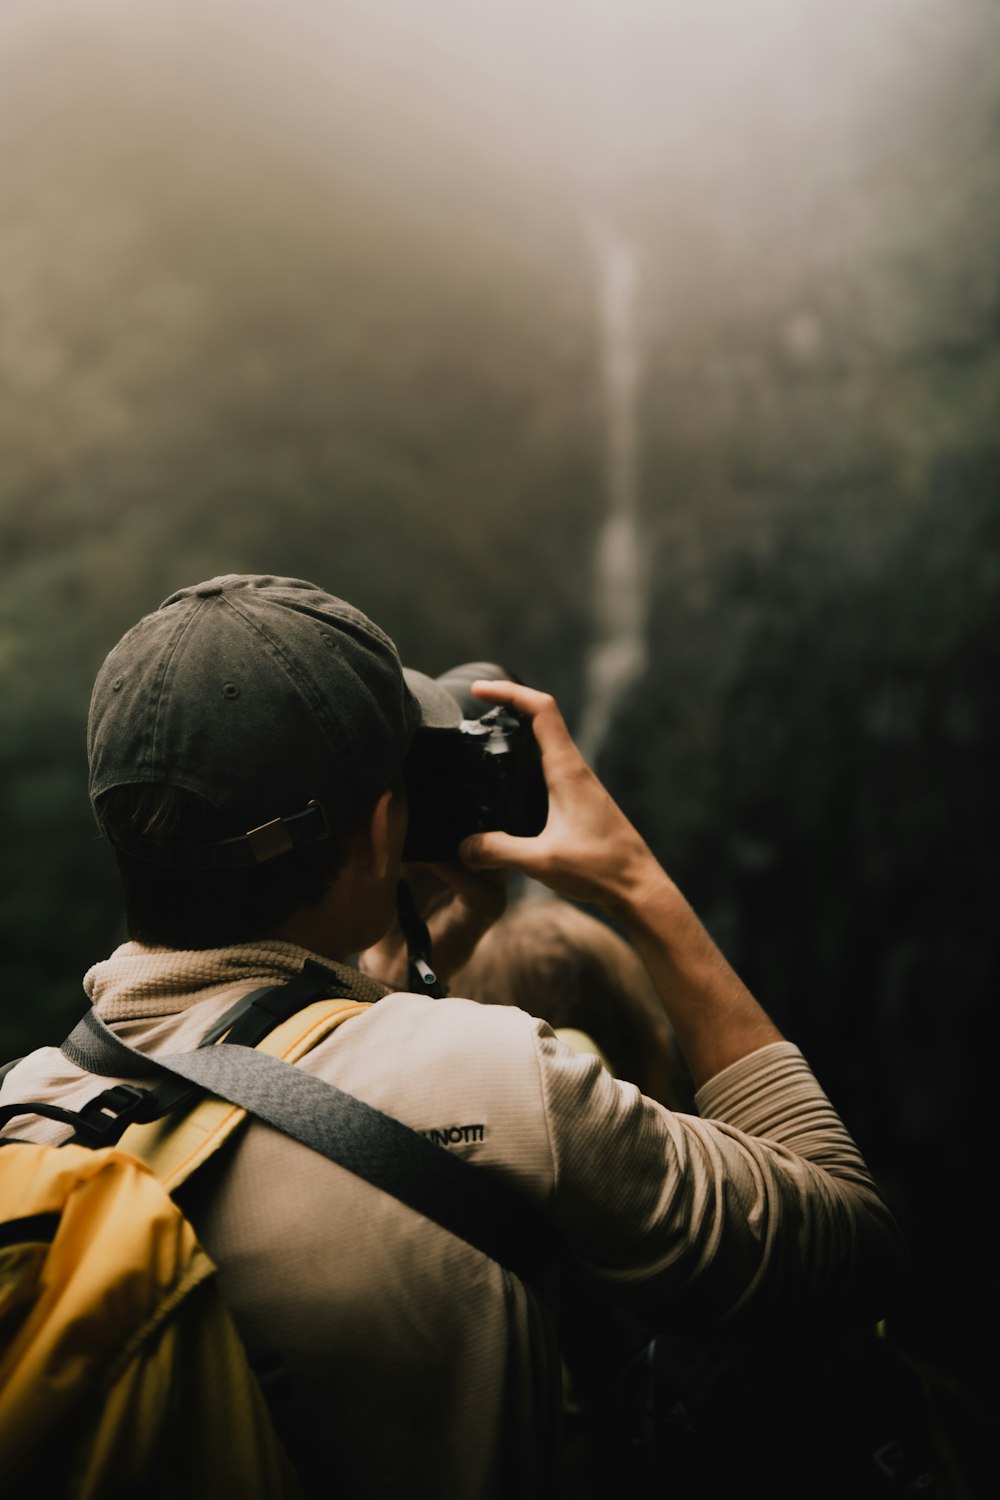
196,908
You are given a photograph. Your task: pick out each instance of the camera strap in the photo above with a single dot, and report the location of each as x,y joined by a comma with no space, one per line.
420,972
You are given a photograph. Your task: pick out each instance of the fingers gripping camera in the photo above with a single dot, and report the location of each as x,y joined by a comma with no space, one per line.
471,770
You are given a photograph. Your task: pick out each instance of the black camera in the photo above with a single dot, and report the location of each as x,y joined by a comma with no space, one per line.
474,769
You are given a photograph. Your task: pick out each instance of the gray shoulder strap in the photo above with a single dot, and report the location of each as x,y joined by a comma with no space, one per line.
466,1200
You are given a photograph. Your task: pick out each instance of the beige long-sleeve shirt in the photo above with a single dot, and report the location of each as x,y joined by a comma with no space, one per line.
428,1361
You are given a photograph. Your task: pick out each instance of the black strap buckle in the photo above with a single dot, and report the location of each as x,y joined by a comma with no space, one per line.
103,1121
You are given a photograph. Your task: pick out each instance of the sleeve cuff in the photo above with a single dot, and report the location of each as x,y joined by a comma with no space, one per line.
747,1093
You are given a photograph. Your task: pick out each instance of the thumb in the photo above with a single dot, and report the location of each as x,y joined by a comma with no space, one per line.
492,851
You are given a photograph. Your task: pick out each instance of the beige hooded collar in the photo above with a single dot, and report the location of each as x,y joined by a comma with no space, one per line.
136,981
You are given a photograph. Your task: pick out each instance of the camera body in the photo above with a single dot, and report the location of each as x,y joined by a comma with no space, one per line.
478,772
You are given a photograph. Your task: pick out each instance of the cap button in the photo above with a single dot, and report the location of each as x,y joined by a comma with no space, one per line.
208,591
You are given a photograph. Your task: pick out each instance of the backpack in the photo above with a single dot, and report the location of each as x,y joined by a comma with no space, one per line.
121,1370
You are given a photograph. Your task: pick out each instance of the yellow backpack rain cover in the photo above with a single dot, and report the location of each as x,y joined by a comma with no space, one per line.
121,1370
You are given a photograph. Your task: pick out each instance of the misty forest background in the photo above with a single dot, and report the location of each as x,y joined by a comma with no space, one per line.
315,293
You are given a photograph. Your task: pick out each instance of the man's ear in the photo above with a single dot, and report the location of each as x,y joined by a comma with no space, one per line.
375,850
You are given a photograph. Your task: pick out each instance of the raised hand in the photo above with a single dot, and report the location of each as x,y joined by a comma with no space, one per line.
588,850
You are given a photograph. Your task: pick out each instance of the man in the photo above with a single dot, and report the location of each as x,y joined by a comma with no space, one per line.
246,745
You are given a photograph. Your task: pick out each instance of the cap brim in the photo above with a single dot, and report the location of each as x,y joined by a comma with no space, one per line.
438,709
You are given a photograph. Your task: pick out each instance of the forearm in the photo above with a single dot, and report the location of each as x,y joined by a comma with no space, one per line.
715,1019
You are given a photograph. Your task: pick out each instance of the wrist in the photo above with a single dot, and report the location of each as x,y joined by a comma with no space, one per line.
641,891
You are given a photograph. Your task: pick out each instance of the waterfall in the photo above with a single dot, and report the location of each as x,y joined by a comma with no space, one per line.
618,653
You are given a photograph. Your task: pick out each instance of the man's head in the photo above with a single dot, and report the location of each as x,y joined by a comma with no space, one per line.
241,739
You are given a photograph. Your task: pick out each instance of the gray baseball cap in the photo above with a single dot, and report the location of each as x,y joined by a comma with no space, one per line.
283,707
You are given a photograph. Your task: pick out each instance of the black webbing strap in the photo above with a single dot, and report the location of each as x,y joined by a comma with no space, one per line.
95,1124
267,1008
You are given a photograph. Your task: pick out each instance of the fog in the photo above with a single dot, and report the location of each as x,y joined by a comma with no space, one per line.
742,146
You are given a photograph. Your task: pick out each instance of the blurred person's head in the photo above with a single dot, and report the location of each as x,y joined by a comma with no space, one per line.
554,961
